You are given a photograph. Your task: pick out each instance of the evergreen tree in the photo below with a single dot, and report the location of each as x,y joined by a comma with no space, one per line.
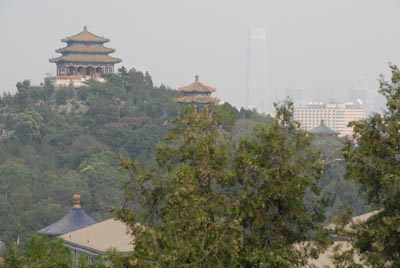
198,209
123,72
40,252
275,169
190,217
148,81
373,161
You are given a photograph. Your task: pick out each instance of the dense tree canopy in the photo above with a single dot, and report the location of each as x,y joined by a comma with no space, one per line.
209,203
373,161
55,142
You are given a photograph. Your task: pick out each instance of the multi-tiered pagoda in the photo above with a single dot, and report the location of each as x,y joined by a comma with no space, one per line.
84,58
197,94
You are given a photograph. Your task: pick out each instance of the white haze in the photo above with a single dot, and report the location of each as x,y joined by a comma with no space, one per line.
311,44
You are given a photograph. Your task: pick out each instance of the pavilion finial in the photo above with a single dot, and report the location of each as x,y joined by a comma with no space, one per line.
85,28
196,78
77,200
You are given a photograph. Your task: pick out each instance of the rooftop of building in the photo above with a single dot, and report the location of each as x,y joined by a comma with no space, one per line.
331,105
75,219
323,129
200,99
86,59
85,49
196,86
102,236
85,36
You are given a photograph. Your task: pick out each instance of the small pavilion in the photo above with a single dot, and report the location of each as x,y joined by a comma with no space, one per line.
75,219
197,94
323,130
85,57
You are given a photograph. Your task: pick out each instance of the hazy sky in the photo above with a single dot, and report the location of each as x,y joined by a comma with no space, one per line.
311,43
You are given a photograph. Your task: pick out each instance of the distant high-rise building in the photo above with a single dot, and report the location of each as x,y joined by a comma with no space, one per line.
334,115
257,96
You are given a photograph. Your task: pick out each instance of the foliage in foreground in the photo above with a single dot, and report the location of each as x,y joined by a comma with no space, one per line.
374,163
44,252
210,205
40,252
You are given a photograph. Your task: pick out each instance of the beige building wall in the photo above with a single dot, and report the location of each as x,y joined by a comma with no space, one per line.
335,115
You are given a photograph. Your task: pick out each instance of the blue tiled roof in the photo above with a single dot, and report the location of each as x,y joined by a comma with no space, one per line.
74,220
322,129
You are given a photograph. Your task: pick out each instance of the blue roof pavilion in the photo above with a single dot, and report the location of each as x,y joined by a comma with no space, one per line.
74,220
323,130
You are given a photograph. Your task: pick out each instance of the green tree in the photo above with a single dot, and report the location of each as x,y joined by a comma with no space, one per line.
24,84
200,209
47,253
30,127
63,94
12,258
275,169
148,81
23,96
190,217
373,161
40,252
123,73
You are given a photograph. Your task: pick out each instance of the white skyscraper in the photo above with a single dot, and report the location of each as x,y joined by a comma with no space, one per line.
257,97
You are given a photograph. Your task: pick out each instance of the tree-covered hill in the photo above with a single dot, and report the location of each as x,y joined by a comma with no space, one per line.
57,142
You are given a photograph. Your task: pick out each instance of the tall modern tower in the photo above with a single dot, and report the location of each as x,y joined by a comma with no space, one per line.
257,97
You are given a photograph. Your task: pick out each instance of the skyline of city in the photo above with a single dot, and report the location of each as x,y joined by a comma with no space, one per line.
307,48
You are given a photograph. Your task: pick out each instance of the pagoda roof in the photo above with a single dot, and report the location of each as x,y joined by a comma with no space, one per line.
86,59
85,36
196,86
200,99
322,129
86,49
75,219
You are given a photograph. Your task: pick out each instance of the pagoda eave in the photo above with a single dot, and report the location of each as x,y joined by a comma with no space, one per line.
187,90
197,87
197,100
85,61
89,50
68,40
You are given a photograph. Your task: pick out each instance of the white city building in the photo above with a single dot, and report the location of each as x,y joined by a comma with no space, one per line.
335,115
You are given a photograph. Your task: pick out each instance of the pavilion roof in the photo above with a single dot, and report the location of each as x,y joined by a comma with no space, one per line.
200,99
196,86
86,49
75,219
322,129
86,59
85,36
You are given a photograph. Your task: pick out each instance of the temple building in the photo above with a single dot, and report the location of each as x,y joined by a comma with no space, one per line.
197,94
74,220
85,57
323,130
